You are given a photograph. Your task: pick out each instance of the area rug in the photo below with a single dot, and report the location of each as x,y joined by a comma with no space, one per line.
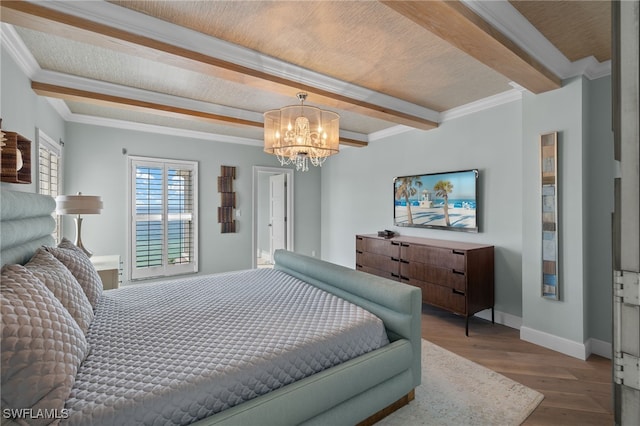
456,391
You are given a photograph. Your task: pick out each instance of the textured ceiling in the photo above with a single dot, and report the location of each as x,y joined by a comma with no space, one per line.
579,29
215,66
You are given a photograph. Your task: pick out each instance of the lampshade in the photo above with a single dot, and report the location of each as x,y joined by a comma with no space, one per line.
300,134
78,204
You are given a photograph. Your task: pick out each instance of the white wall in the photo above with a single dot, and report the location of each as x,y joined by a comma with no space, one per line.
22,111
559,110
357,189
503,143
581,112
95,164
599,173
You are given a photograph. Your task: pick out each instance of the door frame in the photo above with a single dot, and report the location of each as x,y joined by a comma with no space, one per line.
626,218
257,171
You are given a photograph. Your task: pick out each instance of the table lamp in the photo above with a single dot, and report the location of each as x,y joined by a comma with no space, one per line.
78,205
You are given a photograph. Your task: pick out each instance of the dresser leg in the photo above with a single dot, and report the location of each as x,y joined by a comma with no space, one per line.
493,319
466,326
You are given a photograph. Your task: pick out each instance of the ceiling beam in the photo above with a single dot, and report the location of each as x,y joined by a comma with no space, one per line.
73,94
50,20
96,98
353,142
456,24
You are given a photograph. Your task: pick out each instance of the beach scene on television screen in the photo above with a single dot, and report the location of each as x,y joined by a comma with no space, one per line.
441,200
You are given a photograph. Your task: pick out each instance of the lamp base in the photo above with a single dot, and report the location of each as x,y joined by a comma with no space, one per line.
78,241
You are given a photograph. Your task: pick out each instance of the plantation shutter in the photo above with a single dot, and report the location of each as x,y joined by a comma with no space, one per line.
49,162
164,226
48,172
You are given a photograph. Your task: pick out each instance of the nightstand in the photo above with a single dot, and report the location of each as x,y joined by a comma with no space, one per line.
109,268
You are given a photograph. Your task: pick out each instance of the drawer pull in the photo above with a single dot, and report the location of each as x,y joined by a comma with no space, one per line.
395,275
393,243
358,251
404,245
454,291
402,277
458,252
404,261
457,272
395,259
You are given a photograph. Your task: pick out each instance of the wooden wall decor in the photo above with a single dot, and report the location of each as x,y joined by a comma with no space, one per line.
227,199
16,158
550,231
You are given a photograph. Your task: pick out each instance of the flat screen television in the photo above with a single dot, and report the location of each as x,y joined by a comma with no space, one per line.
446,200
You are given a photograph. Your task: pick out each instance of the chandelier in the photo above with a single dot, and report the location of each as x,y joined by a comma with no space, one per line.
299,134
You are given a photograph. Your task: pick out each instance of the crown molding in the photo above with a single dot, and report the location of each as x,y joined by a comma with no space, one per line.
13,44
512,95
390,131
482,104
506,19
153,128
591,68
63,110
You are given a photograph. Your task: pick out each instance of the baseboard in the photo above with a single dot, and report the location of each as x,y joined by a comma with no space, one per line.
558,344
503,318
264,255
599,347
550,341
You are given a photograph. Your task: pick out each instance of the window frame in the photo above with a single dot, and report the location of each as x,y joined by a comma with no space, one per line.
165,269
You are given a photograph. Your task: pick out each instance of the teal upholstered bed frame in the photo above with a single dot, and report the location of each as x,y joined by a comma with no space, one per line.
343,395
26,223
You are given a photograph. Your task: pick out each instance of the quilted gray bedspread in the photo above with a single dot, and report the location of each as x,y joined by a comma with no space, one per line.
183,350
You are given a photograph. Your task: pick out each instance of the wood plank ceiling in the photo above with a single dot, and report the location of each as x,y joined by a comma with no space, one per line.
215,67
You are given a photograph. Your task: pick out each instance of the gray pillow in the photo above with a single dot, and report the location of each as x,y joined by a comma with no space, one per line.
82,269
63,285
42,345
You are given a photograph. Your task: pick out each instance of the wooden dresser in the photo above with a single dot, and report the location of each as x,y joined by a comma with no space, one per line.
453,275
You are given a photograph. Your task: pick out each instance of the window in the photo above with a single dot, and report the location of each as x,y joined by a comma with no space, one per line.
163,208
49,166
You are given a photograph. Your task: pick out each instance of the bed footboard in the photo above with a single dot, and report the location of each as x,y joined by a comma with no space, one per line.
355,390
398,305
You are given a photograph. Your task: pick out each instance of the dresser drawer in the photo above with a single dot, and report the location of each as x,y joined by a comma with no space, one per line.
379,246
451,278
443,257
444,297
378,261
378,272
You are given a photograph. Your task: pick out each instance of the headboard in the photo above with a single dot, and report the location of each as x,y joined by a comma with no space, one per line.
26,223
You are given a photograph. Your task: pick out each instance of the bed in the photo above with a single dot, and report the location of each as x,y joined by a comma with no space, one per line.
353,360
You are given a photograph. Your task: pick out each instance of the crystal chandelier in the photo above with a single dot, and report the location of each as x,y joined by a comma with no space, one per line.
300,134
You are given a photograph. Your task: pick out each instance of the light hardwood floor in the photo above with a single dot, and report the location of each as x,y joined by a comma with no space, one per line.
575,392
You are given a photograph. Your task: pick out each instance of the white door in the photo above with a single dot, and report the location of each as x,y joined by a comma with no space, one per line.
278,212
